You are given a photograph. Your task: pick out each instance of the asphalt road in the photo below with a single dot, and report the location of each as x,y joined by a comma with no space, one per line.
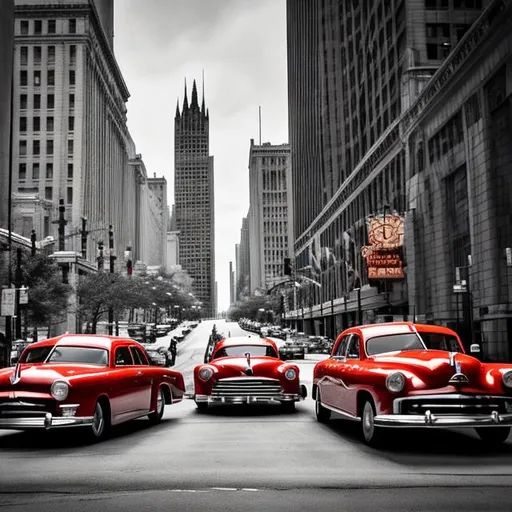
250,459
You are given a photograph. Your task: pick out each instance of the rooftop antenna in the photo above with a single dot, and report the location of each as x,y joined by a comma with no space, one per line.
260,122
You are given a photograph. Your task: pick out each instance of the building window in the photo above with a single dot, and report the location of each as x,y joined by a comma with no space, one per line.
432,51
38,53
71,101
51,77
50,101
49,147
49,124
72,55
72,77
49,171
71,123
23,101
23,147
35,171
36,147
70,195
51,54
70,171
37,101
37,78
24,27
38,27
24,55
72,26
48,193
70,147
23,77
36,124
22,172
23,124
51,27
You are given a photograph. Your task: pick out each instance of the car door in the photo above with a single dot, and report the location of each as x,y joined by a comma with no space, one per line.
331,381
143,378
124,399
352,375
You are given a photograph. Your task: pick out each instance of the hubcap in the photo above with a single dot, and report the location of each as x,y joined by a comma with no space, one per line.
368,425
98,421
160,403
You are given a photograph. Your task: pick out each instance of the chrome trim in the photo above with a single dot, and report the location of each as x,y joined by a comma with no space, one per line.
47,422
430,420
248,399
397,402
346,415
458,378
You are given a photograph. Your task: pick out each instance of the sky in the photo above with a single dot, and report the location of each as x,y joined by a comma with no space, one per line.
241,47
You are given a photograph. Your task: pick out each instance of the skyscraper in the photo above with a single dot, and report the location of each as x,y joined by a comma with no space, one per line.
194,198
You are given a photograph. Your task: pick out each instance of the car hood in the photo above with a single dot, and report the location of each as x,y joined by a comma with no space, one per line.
35,375
236,366
433,367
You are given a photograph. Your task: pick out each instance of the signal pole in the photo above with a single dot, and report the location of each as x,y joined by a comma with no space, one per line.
62,225
84,234
112,258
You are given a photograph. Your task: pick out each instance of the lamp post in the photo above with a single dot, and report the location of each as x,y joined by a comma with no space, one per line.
359,307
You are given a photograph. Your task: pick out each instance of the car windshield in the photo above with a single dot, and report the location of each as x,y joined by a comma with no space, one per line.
241,350
393,343
438,341
79,355
36,354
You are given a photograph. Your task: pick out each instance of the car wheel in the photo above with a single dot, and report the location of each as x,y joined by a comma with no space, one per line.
323,415
202,406
156,417
288,406
100,422
493,435
371,434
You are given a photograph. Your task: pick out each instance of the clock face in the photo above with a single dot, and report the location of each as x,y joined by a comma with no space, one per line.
386,231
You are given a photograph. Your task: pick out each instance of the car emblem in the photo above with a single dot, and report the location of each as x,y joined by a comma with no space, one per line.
16,376
458,367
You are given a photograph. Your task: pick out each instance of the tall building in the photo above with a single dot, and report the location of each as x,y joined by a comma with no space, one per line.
231,284
6,61
194,198
243,269
158,190
270,216
358,66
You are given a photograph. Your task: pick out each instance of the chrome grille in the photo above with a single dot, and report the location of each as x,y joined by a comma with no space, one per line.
452,404
246,386
15,408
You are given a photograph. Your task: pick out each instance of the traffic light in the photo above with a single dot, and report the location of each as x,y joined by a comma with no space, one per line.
287,267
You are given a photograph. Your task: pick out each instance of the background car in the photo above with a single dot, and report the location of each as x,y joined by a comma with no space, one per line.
247,370
156,355
90,381
411,375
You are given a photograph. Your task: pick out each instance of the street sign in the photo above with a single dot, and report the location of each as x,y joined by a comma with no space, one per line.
460,288
23,295
8,302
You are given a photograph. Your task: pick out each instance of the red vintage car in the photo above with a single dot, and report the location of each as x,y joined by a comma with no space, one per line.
409,375
91,381
245,370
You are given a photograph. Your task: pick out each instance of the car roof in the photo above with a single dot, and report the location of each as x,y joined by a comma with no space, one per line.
370,330
82,340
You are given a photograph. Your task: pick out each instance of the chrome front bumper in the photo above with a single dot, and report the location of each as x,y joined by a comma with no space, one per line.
46,422
430,420
247,399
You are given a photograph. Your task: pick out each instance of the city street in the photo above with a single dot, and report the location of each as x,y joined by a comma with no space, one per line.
250,459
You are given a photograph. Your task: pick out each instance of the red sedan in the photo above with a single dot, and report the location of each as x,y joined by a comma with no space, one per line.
247,370
410,375
91,381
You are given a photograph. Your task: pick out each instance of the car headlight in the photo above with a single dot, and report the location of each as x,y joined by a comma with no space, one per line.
290,374
395,382
59,390
205,373
507,379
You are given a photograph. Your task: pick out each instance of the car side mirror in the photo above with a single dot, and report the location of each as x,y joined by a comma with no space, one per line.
474,348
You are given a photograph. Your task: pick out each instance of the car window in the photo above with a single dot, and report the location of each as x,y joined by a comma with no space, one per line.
138,356
123,357
37,355
353,348
341,349
79,355
394,343
241,350
439,341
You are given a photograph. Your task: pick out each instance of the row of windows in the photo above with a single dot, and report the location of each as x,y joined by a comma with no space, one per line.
36,147
50,101
22,171
447,137
38,55
36,27
50,124
443,5
50,78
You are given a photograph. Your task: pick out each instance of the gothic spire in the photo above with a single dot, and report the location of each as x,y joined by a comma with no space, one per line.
185,99
203,110
194,104
177,108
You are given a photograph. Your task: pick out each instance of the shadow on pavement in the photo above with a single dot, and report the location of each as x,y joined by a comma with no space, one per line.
244,410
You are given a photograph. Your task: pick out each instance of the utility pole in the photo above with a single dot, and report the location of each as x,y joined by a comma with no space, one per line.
100,259
33,243
84,234
62,222
17,284
112,259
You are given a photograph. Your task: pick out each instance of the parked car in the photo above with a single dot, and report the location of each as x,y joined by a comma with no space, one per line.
410,375
156,355
90,381
247,370
291,350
